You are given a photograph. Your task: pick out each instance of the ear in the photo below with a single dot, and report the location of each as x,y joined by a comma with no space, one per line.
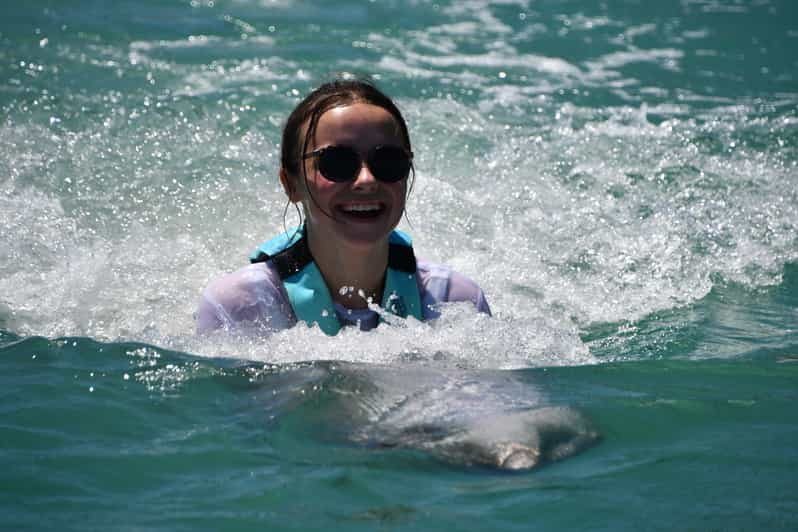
289,186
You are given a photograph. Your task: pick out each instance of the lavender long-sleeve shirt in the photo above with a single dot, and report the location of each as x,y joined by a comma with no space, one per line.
253,298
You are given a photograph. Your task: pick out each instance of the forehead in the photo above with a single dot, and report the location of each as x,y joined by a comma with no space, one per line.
358,125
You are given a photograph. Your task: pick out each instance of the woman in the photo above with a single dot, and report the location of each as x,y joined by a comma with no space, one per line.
346,158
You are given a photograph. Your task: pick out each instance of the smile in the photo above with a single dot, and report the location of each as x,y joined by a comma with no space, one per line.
362,210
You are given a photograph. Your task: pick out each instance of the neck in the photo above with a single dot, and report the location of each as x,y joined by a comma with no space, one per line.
350,271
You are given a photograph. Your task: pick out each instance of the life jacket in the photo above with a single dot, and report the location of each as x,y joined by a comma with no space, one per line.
308,293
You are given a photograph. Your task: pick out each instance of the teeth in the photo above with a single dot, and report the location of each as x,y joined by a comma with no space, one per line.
361,208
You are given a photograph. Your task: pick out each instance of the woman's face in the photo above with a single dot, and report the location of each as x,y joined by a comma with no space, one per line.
364,211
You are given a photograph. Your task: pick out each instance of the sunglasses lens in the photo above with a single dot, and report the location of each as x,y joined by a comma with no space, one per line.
342,163
389,163
339,163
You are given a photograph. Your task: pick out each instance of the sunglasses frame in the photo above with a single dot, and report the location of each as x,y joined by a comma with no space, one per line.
320,151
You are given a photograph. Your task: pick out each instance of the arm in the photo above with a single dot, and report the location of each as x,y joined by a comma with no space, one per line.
461,288
438,283
249,299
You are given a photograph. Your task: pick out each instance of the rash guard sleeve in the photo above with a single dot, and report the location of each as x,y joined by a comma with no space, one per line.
249,298
438,284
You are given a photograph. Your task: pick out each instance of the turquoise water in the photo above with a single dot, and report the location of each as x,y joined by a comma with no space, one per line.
620,178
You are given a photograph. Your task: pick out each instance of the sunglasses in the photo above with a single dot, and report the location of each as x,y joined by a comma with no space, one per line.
340,164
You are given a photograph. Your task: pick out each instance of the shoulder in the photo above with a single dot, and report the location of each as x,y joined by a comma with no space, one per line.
252,294
439,283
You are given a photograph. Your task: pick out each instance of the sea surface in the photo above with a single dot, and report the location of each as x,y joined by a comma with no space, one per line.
620,177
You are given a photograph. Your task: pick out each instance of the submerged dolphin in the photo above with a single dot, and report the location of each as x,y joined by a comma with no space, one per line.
464,417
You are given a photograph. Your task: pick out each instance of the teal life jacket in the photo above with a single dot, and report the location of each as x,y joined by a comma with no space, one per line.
308,293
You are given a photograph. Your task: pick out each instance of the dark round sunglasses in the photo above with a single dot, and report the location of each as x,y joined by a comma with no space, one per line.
340,164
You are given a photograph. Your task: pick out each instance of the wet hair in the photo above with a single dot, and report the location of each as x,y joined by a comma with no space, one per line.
336,93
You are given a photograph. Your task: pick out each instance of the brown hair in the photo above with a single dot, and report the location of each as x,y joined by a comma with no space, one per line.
336,93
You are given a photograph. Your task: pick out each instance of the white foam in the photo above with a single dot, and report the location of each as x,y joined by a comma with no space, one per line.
568,216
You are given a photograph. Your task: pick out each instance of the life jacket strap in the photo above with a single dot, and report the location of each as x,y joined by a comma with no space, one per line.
308,294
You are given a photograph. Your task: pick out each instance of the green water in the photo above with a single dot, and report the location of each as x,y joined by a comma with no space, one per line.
686,444
621,178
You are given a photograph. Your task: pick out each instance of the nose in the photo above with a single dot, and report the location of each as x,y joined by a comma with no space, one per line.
365,179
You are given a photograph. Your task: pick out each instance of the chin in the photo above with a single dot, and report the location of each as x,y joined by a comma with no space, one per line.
353,231
363,230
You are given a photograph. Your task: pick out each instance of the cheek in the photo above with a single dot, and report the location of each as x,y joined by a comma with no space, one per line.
319,189
400,191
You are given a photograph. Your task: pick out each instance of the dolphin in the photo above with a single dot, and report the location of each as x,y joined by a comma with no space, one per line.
464,417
